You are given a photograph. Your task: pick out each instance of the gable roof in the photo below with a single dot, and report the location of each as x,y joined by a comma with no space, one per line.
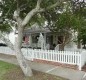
35,28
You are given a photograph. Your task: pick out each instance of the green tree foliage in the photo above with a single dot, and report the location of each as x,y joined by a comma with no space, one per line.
7,8
71,15
79,9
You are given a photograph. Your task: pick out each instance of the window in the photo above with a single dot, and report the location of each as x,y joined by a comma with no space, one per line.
34,39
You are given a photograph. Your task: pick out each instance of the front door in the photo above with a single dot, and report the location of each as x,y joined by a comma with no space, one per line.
50,39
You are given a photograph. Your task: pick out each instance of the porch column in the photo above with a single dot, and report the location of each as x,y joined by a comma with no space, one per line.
45,38
30,40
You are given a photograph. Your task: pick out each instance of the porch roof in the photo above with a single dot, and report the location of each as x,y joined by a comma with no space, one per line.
36,29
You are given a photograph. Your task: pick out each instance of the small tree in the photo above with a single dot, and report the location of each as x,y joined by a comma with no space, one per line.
70,16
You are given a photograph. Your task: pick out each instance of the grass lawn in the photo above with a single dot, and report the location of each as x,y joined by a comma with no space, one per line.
13,72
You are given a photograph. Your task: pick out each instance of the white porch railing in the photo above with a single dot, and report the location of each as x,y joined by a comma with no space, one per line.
68,57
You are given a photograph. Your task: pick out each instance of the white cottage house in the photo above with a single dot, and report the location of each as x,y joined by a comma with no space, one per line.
52,41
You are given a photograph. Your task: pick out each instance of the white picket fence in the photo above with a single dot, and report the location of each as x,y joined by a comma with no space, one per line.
6,50
68,57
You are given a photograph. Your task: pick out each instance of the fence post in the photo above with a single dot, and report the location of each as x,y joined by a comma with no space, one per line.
32,52
80,66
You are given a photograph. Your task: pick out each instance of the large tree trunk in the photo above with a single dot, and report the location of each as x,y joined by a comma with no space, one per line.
23,63
61,47
79,45
21,59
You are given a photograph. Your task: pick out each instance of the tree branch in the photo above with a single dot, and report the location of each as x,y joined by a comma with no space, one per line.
38,4
36,10
51,6
31,13
7,41
48,8
17,17
17,13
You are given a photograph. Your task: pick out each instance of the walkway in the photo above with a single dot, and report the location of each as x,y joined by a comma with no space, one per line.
55,70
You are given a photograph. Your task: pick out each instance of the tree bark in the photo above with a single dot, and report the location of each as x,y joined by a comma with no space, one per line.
79,45
21,59
23,63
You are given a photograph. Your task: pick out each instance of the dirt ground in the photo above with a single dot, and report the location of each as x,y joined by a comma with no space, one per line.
17,74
